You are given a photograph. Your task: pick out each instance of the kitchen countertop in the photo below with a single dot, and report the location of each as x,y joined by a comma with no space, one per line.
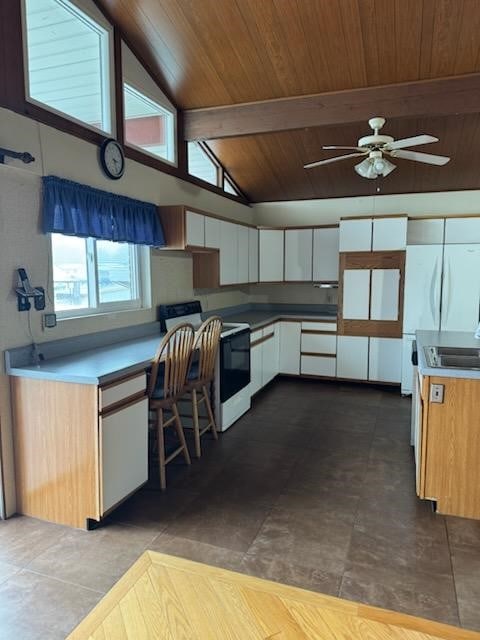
445,339
106,362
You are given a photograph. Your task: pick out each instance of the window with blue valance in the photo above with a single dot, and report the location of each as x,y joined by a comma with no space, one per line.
78,210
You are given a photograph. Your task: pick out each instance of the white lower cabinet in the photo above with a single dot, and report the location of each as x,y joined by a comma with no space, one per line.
256,369
289,357
352,357
270,353
316,365
407,367
124,451
385,360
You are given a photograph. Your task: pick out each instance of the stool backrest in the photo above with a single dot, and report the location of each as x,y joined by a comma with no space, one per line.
206,345
174,356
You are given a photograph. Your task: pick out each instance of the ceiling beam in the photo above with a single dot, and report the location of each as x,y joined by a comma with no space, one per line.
440,96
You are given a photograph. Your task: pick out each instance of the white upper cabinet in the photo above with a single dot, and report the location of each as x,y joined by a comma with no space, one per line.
325,254
385,293
356,294
425,231
298,254
462,230
271,255
389,234
356,235
385,360
228,253
242,238
461,288
195,229
212,233
252,255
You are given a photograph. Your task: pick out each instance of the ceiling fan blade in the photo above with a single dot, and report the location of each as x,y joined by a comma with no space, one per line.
410,142
353,148
428,158
336,159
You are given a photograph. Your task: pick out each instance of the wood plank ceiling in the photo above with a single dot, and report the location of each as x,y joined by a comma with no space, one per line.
222,52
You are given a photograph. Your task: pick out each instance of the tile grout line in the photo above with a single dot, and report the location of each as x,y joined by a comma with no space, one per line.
73,584
453,570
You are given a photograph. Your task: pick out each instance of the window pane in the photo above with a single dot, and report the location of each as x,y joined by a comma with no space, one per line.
200,165
148,125
70,281
68,61
116,272
228,187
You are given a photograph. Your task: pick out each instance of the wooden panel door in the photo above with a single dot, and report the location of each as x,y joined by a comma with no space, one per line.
195,229
352,357
271,255
243,259
385,292
356,235
290,347
124,447
252,255
325,254
356,294
298,255
385,360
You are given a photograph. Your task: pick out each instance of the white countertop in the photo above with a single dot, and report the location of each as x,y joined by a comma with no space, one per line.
445,339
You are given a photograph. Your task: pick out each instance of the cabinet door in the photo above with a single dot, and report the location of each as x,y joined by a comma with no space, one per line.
352,357
212,233
389,234
252,255
228,253
290,347
318,366
461,288
195,229
271,255
243,262
325,255
407,367
256,376
124,442
385,360
423,285
356,235
462,230
298,255
356,294
319,343
425,231
270,354
385,292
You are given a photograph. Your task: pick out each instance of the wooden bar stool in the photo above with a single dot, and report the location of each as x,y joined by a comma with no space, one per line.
167,383
201,375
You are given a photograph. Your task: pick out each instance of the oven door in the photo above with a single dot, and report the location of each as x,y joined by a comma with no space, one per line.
234,363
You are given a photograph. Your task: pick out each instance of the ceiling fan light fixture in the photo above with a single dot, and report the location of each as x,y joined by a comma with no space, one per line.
365,169
388,167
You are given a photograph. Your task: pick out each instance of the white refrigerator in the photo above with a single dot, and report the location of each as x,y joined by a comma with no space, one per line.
442,292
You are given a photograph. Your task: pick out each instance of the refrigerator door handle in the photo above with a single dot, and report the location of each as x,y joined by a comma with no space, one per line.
446,308
432,291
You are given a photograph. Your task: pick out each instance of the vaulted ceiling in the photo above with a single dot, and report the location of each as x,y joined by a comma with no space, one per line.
208,53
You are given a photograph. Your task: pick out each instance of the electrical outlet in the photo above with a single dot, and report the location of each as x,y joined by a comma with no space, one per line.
49,320
436,393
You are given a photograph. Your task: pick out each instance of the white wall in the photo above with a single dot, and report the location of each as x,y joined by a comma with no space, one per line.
23,244
328,211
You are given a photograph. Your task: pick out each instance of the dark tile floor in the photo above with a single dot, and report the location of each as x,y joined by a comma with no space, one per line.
314,487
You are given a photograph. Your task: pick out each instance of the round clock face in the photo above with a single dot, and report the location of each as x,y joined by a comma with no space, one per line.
112,159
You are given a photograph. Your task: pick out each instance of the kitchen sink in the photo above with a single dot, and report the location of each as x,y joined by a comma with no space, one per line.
453,357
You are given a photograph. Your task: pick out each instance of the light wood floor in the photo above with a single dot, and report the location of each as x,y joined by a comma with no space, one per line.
162,596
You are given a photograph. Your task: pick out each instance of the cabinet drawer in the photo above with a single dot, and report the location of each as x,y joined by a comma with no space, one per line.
318,366
319,326
116,392
318,343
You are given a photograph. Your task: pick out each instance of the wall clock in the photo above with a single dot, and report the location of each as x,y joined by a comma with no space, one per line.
112,158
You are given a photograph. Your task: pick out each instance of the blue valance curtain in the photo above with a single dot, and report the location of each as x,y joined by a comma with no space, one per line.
78,210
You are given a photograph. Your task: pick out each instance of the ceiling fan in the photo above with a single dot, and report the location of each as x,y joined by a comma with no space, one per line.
377,146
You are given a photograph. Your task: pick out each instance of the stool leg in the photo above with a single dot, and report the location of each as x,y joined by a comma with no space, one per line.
196,424
180,433
161,449
210,412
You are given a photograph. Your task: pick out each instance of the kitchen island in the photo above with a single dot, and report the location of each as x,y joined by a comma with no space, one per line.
447,434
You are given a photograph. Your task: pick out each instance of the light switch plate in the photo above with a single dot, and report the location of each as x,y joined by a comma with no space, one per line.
436,393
